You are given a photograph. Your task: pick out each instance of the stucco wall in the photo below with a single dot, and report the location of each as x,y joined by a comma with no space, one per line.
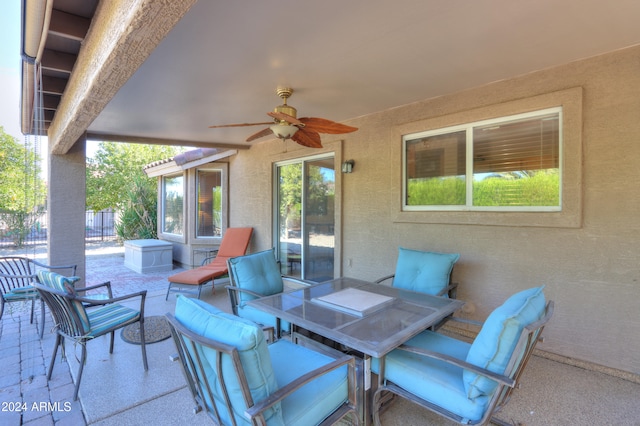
590,269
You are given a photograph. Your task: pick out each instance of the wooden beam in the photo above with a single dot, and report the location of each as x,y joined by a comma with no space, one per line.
58,61
53,85
68,26
50,102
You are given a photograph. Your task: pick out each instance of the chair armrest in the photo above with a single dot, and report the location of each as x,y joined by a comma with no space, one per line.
259,407
242,290
508,381
50,267
297,281
106,284
20,290
99,302
451,290
380,280
465,321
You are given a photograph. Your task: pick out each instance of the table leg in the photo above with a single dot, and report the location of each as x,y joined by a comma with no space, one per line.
364,392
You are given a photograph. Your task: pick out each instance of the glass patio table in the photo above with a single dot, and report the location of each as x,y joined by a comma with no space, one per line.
372,319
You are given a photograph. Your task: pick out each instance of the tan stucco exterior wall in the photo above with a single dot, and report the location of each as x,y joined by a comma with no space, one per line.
589,264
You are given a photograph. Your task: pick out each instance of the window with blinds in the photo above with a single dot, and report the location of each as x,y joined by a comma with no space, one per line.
209,203
511,163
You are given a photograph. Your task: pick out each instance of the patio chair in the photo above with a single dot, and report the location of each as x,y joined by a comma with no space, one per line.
234,243
253,276
466,382
424,272
240,380
17,275
75,322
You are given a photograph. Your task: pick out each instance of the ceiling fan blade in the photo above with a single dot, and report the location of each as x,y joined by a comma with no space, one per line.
286,117
262,133
240,125
322,125
307,138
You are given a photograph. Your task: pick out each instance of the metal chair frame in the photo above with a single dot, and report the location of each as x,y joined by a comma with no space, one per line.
507,382
69,325
189,347
18,272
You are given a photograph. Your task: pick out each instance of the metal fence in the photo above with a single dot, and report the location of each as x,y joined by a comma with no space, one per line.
99,226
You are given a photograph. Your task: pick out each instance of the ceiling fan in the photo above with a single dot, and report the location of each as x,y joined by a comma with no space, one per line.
285,125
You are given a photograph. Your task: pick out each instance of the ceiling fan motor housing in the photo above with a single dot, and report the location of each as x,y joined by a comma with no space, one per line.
286,109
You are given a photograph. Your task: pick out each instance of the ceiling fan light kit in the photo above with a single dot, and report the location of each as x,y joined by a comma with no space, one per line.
304,131
283,130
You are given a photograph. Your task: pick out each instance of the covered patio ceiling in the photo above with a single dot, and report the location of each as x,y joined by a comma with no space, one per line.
162,72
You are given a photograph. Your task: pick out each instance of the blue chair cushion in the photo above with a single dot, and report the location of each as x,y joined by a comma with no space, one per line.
315,401
257,272
27,292
66,285
425,272
210,322
435,381
496,341
57,281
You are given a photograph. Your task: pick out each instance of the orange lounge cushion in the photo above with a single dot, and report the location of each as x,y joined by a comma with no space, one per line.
201,275
219,262
234,243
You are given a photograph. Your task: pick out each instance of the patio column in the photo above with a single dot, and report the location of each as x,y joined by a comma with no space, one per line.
66,200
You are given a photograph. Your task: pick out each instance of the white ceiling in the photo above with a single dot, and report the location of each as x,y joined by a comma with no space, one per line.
222,63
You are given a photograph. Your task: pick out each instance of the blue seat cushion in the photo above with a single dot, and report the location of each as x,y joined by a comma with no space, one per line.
21,293
261,317
210,322
493,347
432,380
257,272
425,272
315,401
108,317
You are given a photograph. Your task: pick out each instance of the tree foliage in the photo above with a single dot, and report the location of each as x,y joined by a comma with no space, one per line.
114,169
22,191
116,179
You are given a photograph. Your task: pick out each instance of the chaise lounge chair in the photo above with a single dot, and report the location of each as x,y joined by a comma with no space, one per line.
234,243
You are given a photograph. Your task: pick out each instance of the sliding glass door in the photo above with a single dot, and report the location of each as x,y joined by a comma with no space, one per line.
305,217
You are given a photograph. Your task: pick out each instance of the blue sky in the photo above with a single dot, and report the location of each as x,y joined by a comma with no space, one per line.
10,67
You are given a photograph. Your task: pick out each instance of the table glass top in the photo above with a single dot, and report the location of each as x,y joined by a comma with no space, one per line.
375,331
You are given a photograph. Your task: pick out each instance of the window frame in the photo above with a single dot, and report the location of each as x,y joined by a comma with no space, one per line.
469,129
454,113
164,207
223,169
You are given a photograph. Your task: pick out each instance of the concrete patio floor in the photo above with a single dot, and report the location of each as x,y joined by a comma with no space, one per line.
116,390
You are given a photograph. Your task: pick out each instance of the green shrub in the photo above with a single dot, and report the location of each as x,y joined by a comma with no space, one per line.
539,188
138,217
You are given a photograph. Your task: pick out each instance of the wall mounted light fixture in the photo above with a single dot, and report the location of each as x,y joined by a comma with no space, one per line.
347,166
